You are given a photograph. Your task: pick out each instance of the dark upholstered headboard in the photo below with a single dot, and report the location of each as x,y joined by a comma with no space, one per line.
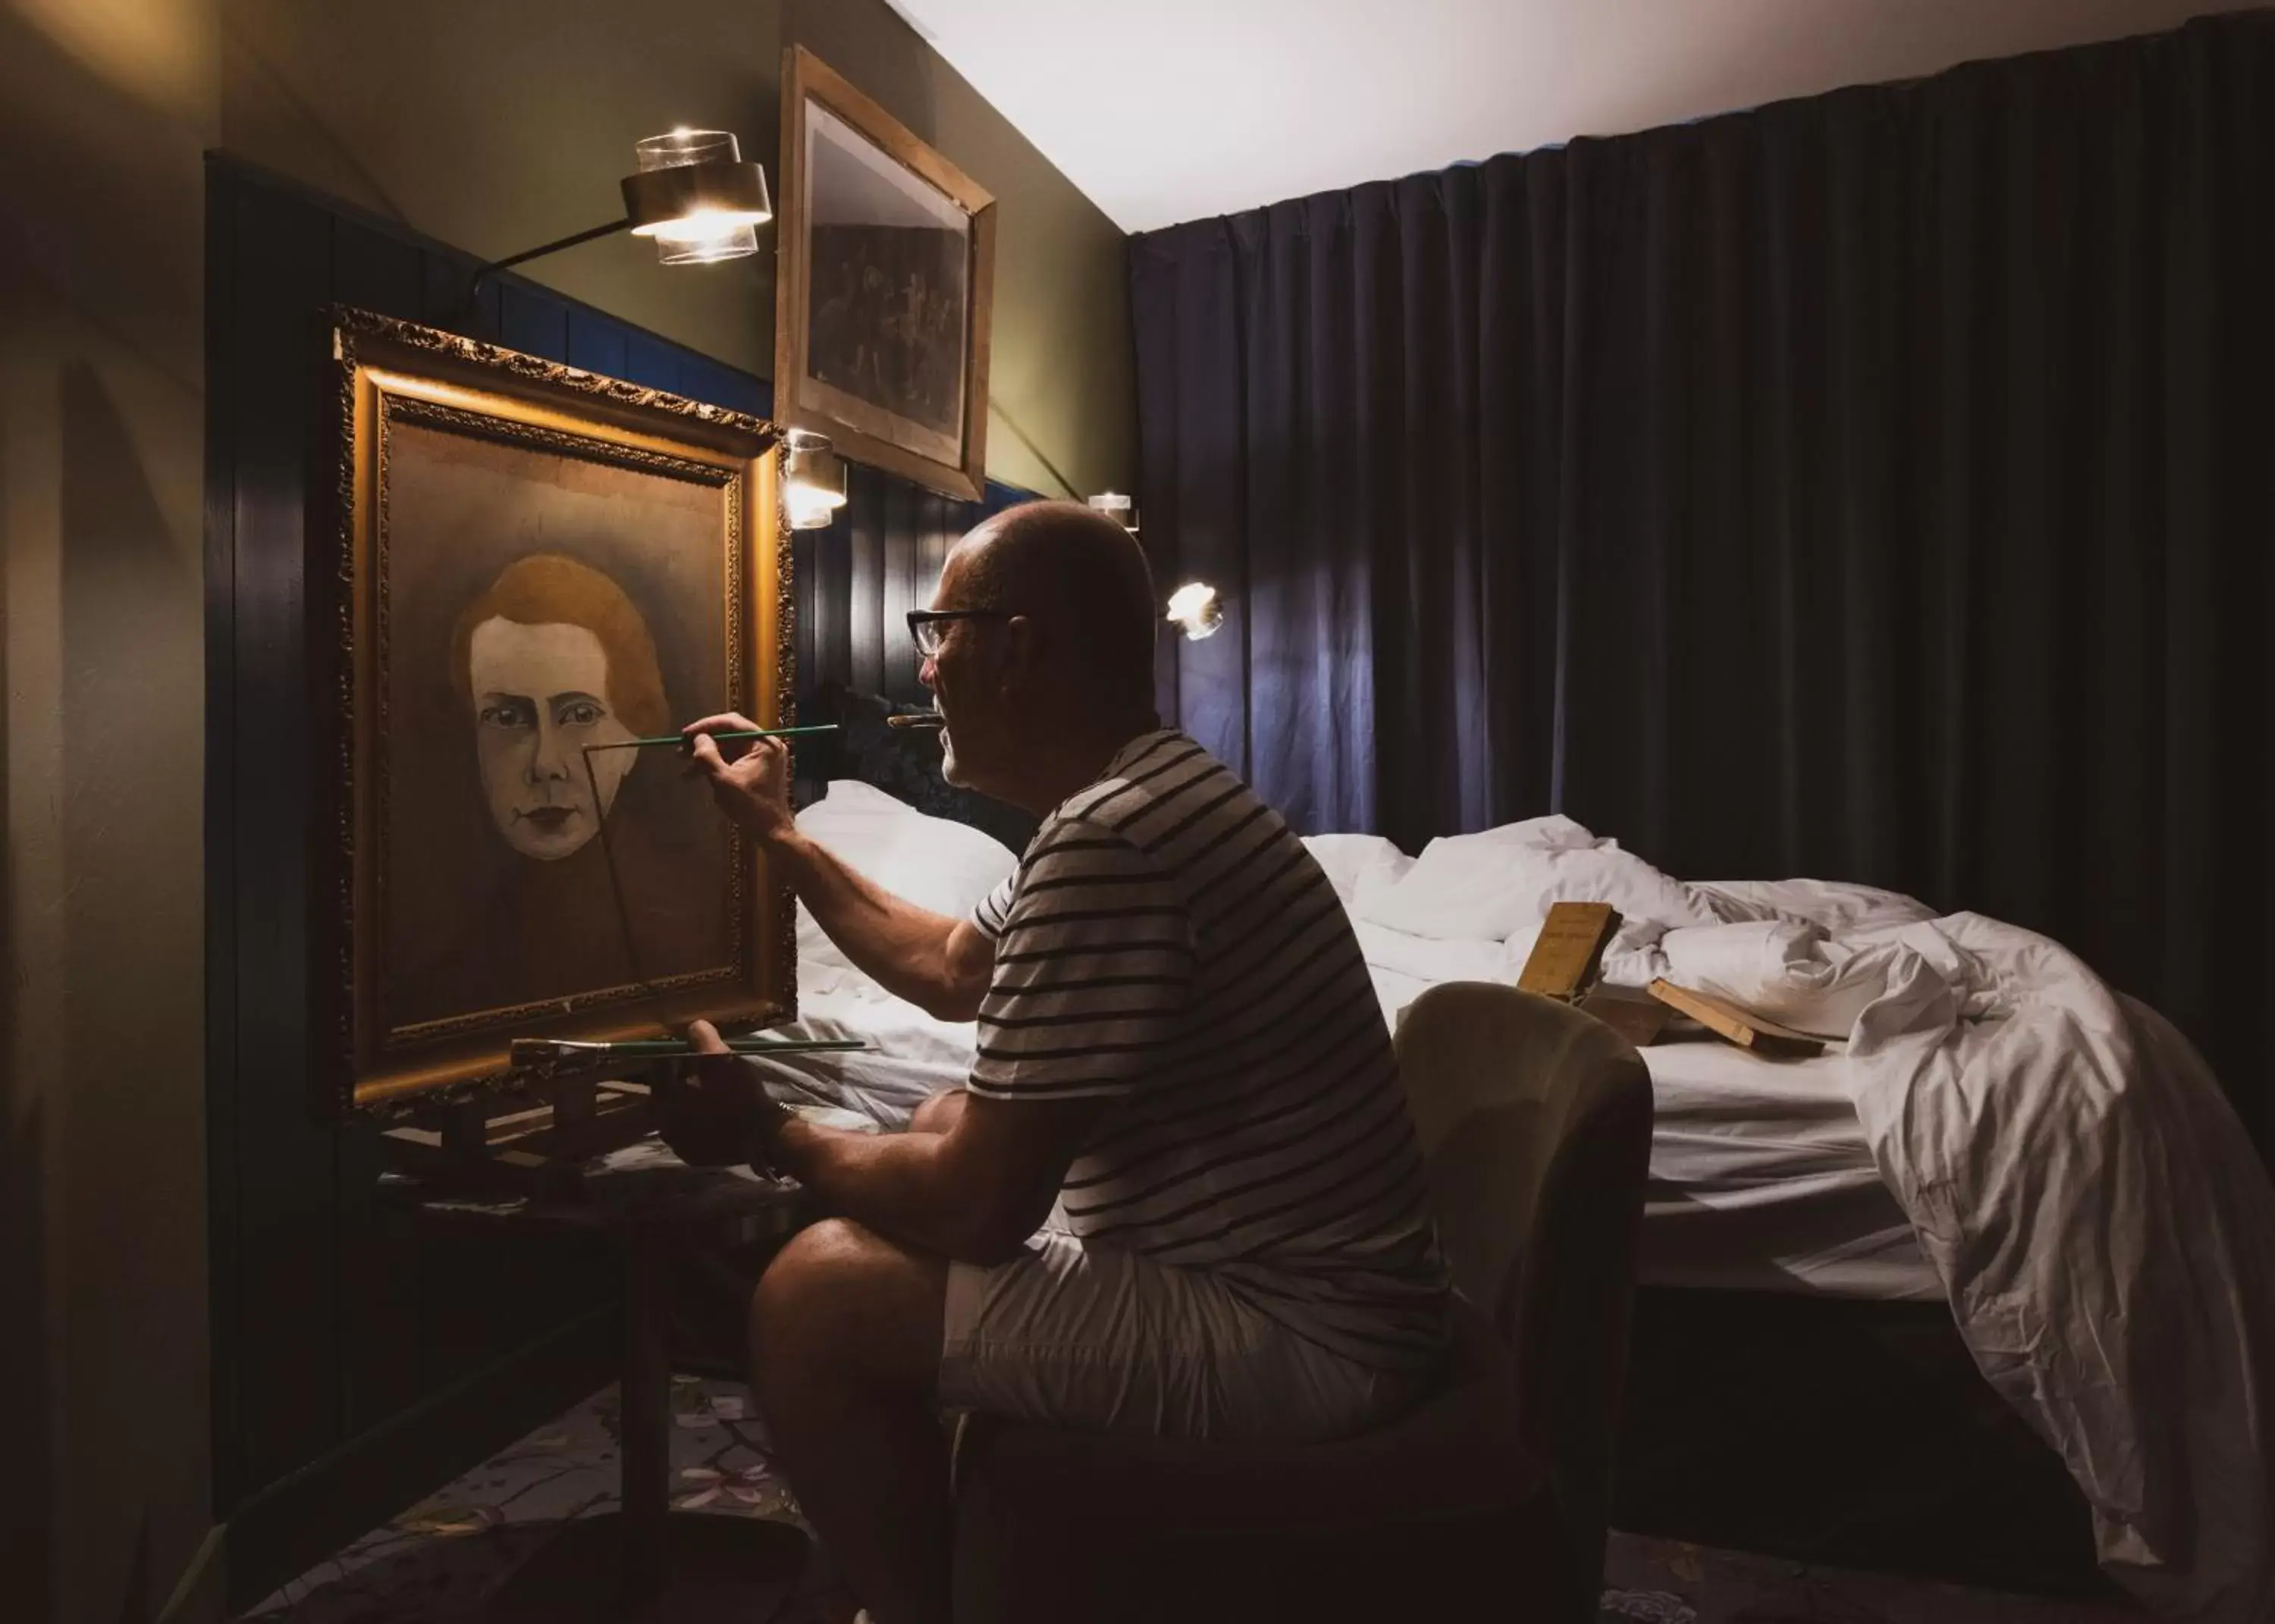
904,762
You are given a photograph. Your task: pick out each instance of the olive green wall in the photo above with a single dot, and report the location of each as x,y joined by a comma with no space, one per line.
499,125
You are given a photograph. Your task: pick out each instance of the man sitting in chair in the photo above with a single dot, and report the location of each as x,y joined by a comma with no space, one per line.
1179,1194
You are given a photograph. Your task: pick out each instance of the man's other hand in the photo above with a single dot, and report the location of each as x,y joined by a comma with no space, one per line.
716,1114
753,789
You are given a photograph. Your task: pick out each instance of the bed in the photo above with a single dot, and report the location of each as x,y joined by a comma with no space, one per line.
1901,1248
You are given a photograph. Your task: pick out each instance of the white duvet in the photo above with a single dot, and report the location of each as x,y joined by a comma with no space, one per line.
2106,1236
2098,1219
2092,1205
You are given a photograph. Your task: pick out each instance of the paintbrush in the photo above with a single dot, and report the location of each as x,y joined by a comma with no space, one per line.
922,719
682,738
545,1051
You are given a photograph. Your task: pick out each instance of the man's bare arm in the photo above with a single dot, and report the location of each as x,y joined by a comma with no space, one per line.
940,965
973,1194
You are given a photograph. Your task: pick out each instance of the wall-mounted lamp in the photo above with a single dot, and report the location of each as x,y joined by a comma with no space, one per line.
1118,508
1194,608
814,479
694,194
696,197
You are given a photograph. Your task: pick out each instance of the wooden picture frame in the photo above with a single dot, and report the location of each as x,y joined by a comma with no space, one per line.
510,560
870,347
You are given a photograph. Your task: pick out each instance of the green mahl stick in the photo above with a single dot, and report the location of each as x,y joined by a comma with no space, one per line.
682,738
737,1045
538,1051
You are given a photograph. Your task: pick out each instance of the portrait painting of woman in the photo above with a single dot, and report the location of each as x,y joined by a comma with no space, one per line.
557,612
529,601
552,670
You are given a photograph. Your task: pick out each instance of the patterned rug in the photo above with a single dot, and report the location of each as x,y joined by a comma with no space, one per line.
441,1560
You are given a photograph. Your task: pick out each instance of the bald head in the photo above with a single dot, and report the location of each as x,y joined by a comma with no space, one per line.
1083,579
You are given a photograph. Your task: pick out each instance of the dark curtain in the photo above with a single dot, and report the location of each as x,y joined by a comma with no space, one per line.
1874,486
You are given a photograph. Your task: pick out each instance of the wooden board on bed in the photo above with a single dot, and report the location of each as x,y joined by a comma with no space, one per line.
1629,1011
1726,1020
1570,949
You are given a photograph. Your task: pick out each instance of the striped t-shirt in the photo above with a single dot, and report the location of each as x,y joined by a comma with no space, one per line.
1167,940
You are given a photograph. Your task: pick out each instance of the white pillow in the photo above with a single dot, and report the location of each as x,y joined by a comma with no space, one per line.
1357,863
1499,883
935,863
1468,885
1644,895
1784,968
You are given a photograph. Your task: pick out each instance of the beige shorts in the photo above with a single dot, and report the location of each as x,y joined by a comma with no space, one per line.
1107,1341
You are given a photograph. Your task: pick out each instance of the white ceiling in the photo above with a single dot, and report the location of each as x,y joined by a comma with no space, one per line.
1163,110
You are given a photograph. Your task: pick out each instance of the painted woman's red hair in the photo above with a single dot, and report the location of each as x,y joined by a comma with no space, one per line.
546,589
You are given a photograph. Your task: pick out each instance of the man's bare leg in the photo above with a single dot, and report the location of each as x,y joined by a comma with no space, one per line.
845,1345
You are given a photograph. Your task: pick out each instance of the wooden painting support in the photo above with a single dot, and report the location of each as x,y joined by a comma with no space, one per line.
507,1145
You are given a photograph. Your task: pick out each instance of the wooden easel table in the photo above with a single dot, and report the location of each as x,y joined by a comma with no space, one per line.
647,1563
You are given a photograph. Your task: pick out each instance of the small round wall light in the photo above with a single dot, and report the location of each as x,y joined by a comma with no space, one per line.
1194,608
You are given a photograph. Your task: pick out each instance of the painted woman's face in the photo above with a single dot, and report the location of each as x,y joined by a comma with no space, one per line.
541,696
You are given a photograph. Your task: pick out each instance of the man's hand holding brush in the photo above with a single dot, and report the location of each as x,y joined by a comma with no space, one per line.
716,1113
753,789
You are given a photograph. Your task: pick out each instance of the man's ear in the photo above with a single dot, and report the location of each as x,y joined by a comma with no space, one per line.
1022,651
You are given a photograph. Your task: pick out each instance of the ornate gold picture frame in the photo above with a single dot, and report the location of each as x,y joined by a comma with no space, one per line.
519,568
884,287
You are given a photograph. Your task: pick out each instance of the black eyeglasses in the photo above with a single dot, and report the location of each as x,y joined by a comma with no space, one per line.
925,625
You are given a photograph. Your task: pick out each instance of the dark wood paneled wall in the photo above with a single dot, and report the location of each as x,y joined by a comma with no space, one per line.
858,578
345,1347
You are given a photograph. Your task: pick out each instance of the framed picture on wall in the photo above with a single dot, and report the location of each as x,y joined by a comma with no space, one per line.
518,569
883,287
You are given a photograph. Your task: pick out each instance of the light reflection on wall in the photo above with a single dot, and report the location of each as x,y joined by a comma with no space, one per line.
158,51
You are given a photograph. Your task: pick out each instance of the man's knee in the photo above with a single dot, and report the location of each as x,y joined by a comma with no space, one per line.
939,1113
840,1294
815,1275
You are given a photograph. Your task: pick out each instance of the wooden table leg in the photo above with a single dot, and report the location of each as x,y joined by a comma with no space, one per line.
648,1564
647,1410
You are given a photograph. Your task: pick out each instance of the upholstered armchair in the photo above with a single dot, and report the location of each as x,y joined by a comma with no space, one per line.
1489,1499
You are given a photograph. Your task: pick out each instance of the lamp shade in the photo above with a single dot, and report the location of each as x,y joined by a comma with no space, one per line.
814,479
1118,508
696,197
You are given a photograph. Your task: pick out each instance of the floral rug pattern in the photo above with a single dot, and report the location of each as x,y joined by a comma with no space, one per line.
440,1560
